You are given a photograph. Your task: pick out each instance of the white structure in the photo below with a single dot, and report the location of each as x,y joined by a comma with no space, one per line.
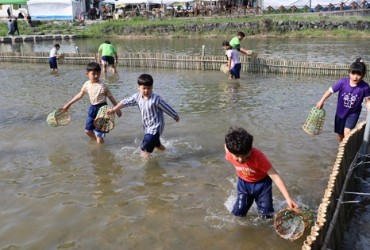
301,3
55,9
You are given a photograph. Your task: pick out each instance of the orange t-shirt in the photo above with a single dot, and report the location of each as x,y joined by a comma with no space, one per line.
254,169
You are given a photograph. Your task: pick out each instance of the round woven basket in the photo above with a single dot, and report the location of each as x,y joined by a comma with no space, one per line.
224,69
315,121
104,122
58,117
290,224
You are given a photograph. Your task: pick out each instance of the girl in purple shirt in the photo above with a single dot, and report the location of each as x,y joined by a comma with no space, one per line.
352,91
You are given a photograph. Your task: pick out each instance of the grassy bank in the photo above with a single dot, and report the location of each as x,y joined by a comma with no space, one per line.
97,29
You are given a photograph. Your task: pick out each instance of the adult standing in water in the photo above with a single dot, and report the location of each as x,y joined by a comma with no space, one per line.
107,54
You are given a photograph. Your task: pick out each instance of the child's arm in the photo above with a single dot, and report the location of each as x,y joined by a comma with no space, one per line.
116,109
113,101
168,110
367,103
281,185
73,100
326,95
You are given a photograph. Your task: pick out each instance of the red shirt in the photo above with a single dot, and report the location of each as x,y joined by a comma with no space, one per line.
254,169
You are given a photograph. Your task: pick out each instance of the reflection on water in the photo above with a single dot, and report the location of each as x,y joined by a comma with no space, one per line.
61,190
325,50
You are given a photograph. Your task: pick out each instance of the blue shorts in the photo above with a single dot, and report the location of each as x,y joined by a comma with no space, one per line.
341,123
260,192
235,71
150,142
108,60
92,113
53,63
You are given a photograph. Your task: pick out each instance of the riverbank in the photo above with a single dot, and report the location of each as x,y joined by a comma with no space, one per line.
298,25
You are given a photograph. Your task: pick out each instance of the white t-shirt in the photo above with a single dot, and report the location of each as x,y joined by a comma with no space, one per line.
234,55
53,52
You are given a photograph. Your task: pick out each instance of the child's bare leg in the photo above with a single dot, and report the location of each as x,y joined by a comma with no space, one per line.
91,134
161,148
340,138
99,139
145,154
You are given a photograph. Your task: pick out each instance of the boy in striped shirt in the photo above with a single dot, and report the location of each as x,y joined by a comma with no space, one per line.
151,107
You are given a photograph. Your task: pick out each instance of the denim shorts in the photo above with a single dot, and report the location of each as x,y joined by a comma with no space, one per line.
92,113
235,71
259,192
53,63
150,142
341,123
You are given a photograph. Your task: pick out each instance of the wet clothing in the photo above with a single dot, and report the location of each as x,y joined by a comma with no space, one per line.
235,62
254,184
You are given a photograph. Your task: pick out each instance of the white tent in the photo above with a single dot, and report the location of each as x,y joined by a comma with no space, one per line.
55,9
302,3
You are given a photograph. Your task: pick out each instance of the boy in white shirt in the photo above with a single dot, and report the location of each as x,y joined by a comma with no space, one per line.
233,60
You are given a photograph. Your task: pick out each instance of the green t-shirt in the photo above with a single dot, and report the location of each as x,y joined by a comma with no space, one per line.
107,49
235,43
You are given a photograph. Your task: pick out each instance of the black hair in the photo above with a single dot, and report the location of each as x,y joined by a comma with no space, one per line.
358,67
56,45
240,33
93,66
238,141
107,42
146,80
225,43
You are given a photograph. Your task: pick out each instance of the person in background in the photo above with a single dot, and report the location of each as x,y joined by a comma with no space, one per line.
255,175
151,107
108,53
29,19
235,44
10,25
9,12
53,56
352,91
15,25
233,61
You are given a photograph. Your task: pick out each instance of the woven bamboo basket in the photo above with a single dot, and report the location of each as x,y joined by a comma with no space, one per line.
315,121
290,224
58,117
225,69
104,122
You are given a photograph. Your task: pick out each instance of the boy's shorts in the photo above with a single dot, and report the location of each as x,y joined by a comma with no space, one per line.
260,192
108,60
53,63
150,142
92,113
235,71
342,123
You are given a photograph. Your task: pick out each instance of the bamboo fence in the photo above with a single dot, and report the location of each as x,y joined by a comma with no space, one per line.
333,212
190,62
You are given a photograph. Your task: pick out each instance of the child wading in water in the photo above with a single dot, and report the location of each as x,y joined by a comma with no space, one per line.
255,175
352,91
233,61
53,56
98,93
151,107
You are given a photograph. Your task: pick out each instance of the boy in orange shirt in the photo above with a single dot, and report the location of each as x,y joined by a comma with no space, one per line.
255,175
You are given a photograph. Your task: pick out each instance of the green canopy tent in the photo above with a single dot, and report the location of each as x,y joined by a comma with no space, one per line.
23,2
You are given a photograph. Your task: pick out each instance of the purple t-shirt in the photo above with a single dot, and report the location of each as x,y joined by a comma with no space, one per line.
350,98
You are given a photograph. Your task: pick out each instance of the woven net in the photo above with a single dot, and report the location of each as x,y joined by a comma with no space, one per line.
315,121
252,53
104,122
224,69
58,117
290,224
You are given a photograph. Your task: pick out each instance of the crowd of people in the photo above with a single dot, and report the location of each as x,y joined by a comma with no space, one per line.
12,23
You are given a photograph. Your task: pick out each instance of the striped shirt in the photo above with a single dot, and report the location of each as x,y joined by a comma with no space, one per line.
98,92
151,111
